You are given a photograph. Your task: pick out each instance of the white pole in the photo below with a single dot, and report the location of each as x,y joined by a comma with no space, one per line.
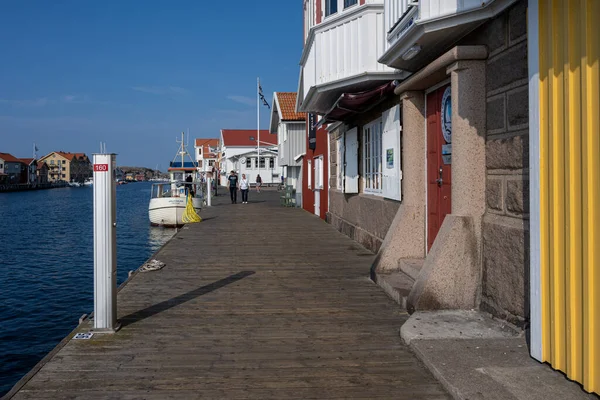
105,245
258,123
208,192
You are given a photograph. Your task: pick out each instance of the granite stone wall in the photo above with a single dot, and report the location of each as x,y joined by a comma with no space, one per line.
505,275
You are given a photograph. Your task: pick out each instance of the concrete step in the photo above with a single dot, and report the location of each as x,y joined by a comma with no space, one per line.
396,284
411,266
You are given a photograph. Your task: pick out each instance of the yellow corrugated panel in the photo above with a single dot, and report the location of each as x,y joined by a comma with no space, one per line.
569,50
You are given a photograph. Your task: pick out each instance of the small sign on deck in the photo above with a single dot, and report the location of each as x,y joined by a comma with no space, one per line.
83,336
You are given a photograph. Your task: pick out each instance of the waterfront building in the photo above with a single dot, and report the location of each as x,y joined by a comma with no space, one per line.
433,111
290,128
240,152
206,155
42,172
68,167
12,170
30,170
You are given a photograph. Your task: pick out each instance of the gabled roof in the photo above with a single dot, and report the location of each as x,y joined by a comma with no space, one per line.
208,145
286,104
68,155
9,158
41,165
247,138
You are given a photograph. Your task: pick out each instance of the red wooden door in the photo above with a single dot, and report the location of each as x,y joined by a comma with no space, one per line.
439,174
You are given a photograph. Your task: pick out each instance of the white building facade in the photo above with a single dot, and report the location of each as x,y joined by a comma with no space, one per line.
240,150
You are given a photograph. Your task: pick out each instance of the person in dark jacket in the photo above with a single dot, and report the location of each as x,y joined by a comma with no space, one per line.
232,184
258,183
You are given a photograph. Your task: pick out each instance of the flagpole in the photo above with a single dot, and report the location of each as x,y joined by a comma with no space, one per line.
258,123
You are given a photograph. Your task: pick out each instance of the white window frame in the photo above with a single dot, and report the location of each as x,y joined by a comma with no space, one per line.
319,173
309,173
372,157
340,163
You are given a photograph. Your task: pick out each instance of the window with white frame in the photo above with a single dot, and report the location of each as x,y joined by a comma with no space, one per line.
348,3
248,163
262,162
309,173
340,163
330,7
271,162
372,157
319,173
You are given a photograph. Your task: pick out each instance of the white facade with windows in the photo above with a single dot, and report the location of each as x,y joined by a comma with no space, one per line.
380,171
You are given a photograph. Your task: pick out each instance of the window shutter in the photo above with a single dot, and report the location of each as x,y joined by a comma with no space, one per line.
351,161
390,151
341,162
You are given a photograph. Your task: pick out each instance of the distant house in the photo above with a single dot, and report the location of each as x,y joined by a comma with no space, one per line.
30,169
42,172
290,127
12,169
140,177
240,152
65,166
206,154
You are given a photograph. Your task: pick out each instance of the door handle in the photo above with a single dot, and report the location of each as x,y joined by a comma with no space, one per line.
440,180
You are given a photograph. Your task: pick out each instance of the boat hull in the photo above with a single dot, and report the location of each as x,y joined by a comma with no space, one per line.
168,211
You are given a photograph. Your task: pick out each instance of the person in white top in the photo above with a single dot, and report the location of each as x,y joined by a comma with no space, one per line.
244,187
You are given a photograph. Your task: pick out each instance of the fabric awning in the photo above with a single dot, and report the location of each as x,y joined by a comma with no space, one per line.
357,103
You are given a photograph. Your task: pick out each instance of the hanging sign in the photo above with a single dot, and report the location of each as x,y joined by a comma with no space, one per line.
312,131
389,158
447,115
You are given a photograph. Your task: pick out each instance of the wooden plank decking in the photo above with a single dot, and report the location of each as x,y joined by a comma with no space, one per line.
257,301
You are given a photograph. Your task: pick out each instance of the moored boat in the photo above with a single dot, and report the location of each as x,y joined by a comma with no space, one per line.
168,200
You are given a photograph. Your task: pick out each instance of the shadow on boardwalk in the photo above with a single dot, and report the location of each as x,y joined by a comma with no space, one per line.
302,320
165,305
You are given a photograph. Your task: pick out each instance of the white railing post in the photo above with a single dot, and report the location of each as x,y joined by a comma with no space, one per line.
208,192
105,244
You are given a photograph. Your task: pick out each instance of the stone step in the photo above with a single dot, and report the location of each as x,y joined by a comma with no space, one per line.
396,284
411,266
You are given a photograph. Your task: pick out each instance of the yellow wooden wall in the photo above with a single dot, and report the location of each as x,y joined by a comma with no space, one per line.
569,48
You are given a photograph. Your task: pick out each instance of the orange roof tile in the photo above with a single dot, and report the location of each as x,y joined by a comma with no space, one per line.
287,107
9,157
248,137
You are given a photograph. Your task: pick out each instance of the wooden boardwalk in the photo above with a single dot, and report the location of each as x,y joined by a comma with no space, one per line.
257,301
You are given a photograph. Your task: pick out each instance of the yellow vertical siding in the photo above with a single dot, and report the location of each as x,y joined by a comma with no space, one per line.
569,50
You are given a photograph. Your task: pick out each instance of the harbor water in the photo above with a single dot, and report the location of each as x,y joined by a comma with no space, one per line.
46,265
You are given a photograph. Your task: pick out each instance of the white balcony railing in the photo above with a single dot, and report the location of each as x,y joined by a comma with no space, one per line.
345,46
394,11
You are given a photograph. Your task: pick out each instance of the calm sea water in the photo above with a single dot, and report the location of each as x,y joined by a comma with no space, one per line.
46,266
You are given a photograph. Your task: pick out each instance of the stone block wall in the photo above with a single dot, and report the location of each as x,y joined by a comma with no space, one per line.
505,286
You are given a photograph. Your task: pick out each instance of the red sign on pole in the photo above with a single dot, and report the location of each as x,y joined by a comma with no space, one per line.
100,167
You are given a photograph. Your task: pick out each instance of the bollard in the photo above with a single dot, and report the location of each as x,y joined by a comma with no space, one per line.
208,192
105,244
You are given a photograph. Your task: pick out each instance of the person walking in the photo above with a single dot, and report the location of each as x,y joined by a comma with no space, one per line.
244,187
232,184
258,183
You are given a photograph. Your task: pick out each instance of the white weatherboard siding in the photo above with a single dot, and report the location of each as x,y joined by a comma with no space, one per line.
293,143
344,46
231,162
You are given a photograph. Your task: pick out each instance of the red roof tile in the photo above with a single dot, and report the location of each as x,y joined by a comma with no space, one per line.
27,161
9,157
248,137
206,143
287,107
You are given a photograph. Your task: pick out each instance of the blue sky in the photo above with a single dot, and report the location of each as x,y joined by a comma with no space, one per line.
135,74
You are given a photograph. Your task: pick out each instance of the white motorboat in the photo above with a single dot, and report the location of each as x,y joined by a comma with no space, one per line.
88,182
169,200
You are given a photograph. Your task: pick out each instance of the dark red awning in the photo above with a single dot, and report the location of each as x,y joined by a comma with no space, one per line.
357,103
